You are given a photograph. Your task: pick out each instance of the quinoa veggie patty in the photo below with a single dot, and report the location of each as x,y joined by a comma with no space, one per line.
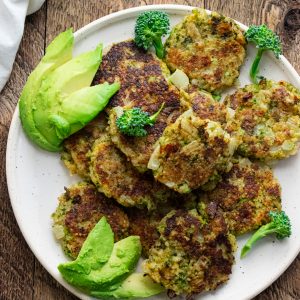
115,176
190,257
191,152
245,196
143,84
79,210
209,48
267,115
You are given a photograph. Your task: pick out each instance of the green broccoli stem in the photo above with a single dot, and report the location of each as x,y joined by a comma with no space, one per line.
259,234
254,67
159,47
154,116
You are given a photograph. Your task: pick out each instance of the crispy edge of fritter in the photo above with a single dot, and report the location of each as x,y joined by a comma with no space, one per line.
110,168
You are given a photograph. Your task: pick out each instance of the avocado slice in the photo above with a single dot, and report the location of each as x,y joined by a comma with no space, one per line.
136,285
65,83
58,52
95,251
57,99
122,261
80,107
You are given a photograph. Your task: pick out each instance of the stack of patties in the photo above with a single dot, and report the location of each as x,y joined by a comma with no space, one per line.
114,176
201,151
188,187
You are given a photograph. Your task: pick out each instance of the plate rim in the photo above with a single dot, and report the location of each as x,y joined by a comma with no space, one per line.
14,129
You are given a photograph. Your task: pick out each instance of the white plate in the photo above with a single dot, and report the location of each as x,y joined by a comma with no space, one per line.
35,178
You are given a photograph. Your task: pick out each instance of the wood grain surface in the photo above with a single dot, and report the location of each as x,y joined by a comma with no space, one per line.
21,275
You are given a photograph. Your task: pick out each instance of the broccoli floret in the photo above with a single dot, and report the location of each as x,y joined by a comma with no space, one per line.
280,225
217,96
133,121
150,26
265,39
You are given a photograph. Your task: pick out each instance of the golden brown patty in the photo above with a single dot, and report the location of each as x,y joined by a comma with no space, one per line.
245,196
79,209
268,118
116,177
208,48
190,152
143,85
191,257
75,154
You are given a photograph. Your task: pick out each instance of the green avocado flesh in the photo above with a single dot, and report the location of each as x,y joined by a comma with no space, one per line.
57,99
77,113
123,260
121,263
136,285
101,264
95,251
57,53
103,269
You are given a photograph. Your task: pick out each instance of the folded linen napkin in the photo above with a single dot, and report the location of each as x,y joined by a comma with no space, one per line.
12,18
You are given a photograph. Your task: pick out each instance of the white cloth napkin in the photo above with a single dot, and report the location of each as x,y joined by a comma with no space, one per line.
12,18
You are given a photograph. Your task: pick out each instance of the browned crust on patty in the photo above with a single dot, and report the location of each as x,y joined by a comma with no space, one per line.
190,152
204,105
144,223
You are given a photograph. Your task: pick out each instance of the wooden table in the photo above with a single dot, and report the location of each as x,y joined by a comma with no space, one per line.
21,275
